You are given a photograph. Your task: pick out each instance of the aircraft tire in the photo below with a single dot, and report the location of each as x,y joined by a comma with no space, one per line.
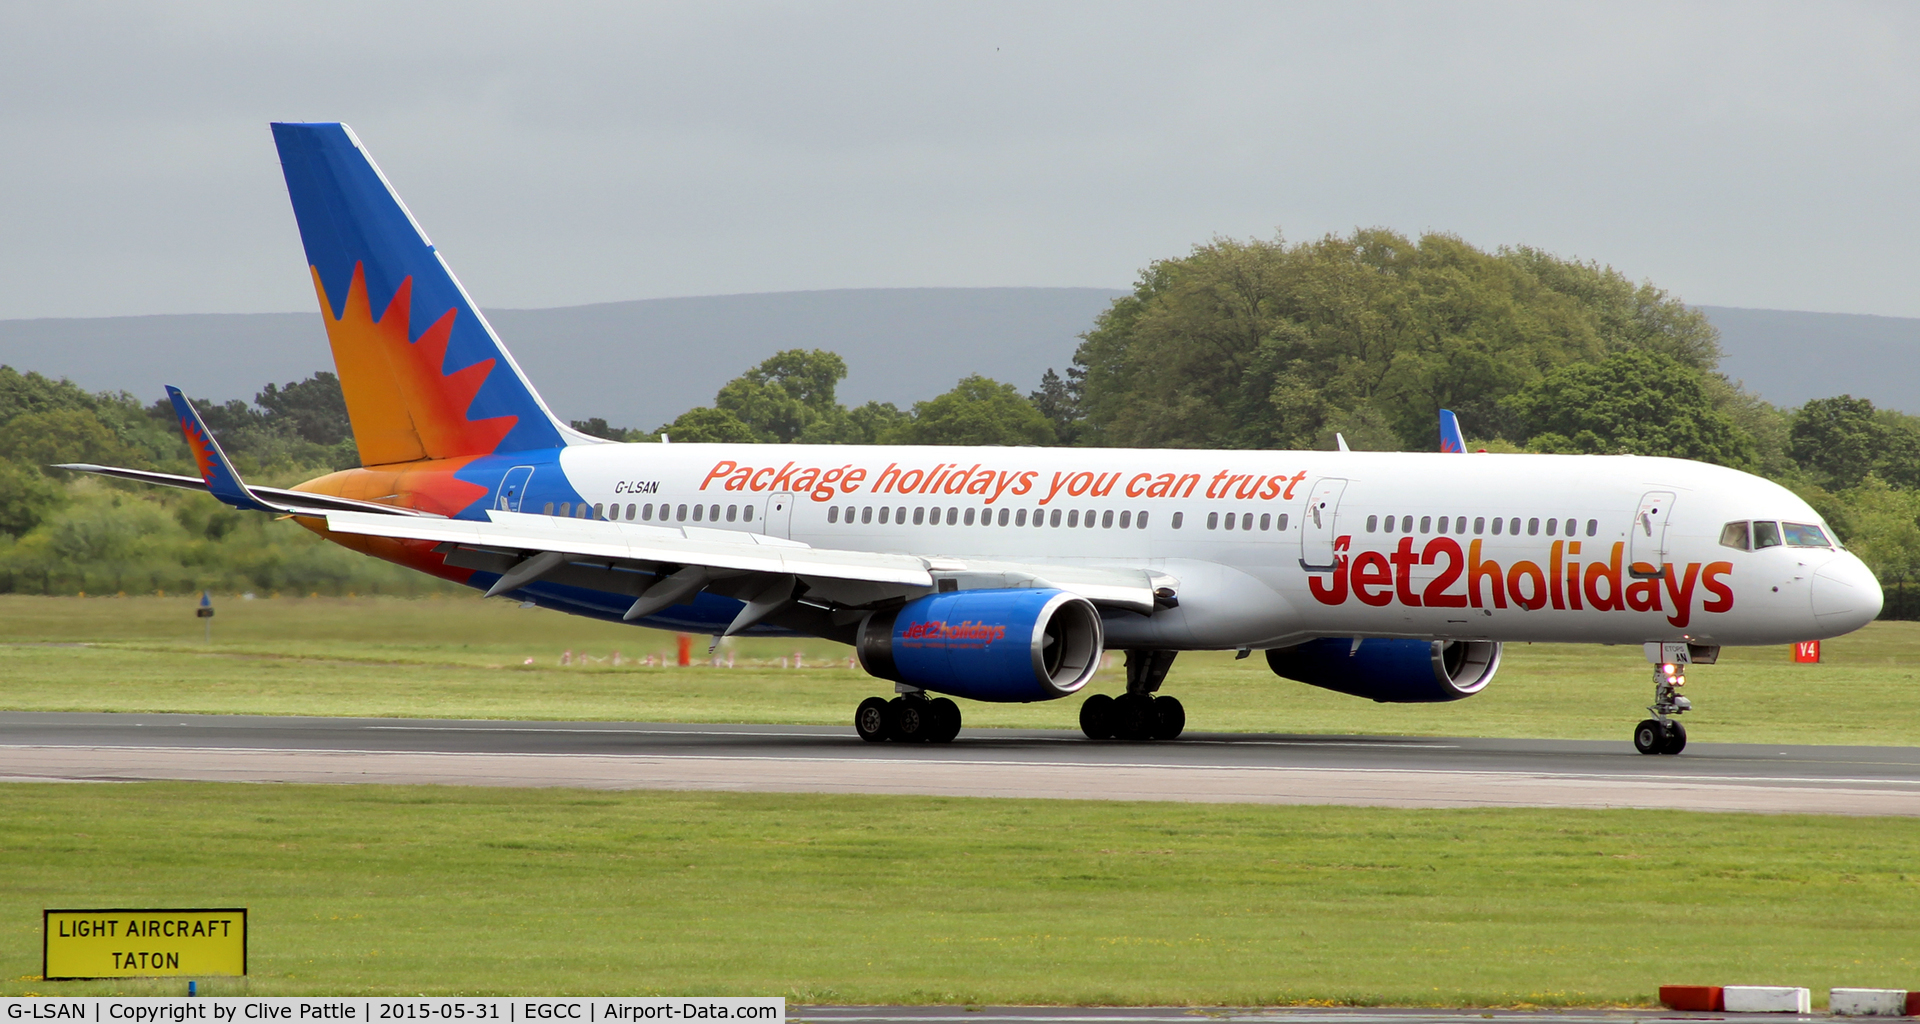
873,720
1096,717
1170,718
1676,739
1649,737
1134,717
946,717
912,720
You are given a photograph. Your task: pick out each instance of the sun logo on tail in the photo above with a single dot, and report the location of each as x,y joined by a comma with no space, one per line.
404,405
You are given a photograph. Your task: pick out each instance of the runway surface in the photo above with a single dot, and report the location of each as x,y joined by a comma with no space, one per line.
1203,767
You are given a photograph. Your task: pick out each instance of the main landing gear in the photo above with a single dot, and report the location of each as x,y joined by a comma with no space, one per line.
1137,714
1661,734
908,718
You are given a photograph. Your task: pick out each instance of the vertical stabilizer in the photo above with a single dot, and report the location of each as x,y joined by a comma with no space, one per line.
424,375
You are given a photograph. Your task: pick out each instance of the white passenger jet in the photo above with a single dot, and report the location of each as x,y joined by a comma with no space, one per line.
1003,574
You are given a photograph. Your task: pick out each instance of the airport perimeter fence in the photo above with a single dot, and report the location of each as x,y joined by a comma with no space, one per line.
1900,599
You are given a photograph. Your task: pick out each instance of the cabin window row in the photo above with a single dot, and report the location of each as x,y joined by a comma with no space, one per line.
1245,521
1458,524
924,515
645,513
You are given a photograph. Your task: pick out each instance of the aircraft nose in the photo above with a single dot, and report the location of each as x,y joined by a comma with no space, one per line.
1845,595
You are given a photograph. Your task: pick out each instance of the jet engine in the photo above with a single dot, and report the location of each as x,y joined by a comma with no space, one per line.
1391,671
992,645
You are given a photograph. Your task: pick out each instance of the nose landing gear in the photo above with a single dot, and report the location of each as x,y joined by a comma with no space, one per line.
1661,734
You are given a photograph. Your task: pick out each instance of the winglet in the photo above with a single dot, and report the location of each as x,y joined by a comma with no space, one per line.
223,481
1450,437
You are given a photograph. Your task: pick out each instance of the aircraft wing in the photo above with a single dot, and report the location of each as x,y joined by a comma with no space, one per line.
296,502
671,564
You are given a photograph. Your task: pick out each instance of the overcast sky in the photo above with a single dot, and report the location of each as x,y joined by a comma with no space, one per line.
1739,154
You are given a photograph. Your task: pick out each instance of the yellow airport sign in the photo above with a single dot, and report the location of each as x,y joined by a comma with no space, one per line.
126,943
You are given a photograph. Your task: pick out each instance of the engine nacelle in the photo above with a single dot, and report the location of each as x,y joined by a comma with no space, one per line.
1392,671
994,645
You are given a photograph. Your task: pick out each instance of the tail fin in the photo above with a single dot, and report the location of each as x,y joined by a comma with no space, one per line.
424,375
1451,440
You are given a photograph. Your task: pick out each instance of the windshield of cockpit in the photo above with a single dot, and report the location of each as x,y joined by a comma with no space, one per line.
1757,534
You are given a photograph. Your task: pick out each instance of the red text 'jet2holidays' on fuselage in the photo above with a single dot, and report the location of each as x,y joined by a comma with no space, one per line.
1003,574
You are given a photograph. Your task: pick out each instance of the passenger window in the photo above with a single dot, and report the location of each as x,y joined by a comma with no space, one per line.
1734,535
1552,525
1765,535
967,518
866,514
1266,521
746,514
1805,535
1372,523
1573,527
953,516
1089,519
900,515
1533,527
1497,525
1141,521
697,511
1126,520
833,513
1004,513
646,512
919,515
1177,518
1480,525
1106,520
1593,527
1513,526
1426,522
1460,524
885,514
566,509
1282,524
733,513
1213,520
1230,520
1054,520
599,510
1020,518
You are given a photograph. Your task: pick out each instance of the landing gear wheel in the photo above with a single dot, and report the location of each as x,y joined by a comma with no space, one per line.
1170,718
1134,717
1096,717
873,720
946,718
1650,737
912,719
1676,739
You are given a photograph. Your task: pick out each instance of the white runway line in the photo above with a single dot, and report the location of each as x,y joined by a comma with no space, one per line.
1368,787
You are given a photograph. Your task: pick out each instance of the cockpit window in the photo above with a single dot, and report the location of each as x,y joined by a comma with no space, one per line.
1734,535
1765,534
1805,535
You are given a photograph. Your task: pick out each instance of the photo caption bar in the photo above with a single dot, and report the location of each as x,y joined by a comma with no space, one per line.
362,1010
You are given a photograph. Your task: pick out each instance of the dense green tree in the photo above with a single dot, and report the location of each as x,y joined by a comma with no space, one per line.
1640,402
1058,399
597,427
46,439
977,411
314,409
26,497
709,424
1841,440
780,398
1270,344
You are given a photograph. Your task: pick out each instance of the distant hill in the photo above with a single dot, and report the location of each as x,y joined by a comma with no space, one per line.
1788,357
640,364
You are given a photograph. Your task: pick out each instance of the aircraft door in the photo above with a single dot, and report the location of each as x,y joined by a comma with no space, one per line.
778,520
513,489
1647,540
1317,525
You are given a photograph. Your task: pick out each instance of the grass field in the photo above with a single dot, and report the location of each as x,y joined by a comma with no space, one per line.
463,657
901,899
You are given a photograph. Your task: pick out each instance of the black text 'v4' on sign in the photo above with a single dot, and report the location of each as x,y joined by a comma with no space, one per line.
143,943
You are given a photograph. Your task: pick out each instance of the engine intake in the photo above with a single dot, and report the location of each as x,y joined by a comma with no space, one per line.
1004,646
1391,671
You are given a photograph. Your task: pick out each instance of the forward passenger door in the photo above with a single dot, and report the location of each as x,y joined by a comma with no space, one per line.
1317,525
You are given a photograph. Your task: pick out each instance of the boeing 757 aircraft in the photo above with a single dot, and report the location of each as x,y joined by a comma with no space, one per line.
1003,574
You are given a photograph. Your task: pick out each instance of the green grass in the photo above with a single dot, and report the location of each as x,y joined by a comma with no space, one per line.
909,899
462,657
